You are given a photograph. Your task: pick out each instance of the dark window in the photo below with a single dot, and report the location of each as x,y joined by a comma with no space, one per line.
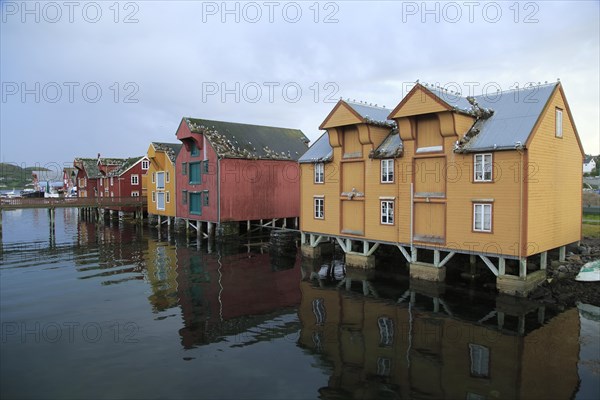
184,168
195,173
195,151
205,166
196,203
184,197
206,197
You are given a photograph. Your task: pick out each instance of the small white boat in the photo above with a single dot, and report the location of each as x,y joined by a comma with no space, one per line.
590,272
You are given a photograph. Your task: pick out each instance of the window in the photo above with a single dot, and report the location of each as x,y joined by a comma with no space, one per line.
160,180
482,217
160,200
168,195
387,171
153,197
135,194
206,197
318,308
319,173
384,366
145,164
480,360
387,212
196,203
205,166
195,173
135,180
482,167
168,176
111,181
559,123
319,207
184,168
153,178
184,197
194,150
101,181
386,331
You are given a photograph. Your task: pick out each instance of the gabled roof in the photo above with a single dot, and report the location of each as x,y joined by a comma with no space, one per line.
391,147
127,164
171,149
320,151
235,140
589,159
90,166
360,113
503,119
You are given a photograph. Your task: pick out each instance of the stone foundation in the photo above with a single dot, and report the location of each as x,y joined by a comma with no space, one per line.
228,229
360,261
427,272
310,252
516,286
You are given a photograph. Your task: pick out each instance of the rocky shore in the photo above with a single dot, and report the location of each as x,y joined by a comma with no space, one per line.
561,288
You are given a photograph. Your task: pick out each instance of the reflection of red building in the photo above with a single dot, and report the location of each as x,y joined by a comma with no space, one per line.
223,296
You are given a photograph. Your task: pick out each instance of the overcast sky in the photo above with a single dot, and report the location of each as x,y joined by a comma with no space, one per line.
81,78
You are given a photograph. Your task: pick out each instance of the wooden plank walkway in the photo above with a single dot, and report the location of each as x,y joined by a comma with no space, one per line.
68,202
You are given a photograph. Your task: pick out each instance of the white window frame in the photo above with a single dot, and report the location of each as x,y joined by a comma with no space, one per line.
480,360
111,181
158,207
167,197
145,164
153,177
483,167
558,130
387,168
154,197
386,331
163,180
167,176
135,194
319,173
479,217
101,182
319,207
135,179
387,217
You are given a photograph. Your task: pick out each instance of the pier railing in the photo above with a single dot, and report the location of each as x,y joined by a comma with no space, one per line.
65,202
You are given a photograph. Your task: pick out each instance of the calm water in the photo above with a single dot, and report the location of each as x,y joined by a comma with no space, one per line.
117,312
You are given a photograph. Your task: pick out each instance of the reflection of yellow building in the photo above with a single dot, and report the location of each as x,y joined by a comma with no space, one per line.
383,349
162,193
161,272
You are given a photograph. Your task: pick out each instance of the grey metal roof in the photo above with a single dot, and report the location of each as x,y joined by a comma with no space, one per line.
391,147
171,149
373,113
320,151
235,140
124,167
515,113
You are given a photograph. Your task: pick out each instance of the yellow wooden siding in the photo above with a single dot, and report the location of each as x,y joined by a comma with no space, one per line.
462,124
161,163
430,221
342,116
429,177
331,194
377,135
419,103
553,183
428,131
351,144
353,175
353,212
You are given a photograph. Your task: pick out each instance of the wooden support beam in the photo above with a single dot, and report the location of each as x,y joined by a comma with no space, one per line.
489,264
501,266
372,249
447,258
543,260
414,254
562,253
404,253
436,258
523,267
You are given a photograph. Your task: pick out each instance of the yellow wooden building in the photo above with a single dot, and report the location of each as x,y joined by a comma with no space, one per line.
162,194
495,176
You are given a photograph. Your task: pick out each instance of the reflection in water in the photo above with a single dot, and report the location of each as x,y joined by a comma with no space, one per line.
239,322
409,347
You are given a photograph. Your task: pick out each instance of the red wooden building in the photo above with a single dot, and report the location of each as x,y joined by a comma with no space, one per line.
89,174
230,172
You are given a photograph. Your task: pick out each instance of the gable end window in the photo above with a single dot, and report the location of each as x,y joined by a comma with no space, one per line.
145,164
387,171
482,167
559,123
194,150
319,173
135,180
